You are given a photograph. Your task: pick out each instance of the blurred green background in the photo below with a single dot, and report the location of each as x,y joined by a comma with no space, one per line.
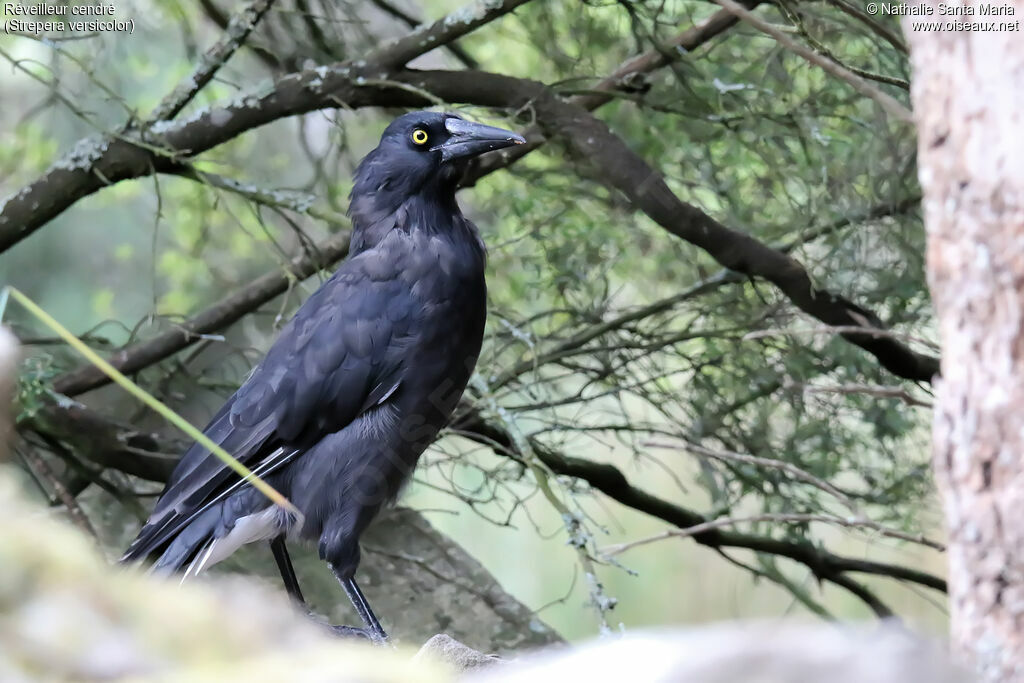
754,136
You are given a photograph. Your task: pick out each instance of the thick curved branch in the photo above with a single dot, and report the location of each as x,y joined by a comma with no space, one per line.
94,163
824,564
594,145
255,294
604,91
97,162
588,138
610,481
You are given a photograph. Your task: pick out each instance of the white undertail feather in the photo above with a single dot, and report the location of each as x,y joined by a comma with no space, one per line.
199,562
260,526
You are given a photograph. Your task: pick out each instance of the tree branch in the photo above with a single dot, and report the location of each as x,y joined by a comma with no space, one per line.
889,104
590,139
603,152
215,318
412,22
124,448
138,356
441,32
95,163
105,442
783,517
604,91
256,293
218,17
238,29
610,481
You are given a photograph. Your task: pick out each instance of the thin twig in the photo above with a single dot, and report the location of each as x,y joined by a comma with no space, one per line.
852,522
238,29
441,32
579,537
868,389
789,468
412,22
839,329
889,104
60,491
281,199
855,12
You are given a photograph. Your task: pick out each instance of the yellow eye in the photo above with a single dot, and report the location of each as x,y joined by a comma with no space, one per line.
419,136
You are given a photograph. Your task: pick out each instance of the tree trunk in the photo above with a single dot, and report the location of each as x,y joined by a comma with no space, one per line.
968,93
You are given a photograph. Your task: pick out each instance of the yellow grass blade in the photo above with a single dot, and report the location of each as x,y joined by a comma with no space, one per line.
132,388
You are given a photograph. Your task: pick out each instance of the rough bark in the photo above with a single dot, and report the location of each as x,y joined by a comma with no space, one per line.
420,583
9,357
968,93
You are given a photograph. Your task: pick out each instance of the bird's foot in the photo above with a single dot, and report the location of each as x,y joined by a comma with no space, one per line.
348,631
356,632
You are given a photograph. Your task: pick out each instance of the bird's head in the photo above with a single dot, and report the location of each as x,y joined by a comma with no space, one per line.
426,149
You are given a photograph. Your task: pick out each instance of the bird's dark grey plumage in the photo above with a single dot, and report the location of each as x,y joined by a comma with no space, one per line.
360,381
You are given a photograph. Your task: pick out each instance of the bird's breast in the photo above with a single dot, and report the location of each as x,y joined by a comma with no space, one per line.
448,296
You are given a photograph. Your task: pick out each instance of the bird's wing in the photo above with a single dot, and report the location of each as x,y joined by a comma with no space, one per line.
338,357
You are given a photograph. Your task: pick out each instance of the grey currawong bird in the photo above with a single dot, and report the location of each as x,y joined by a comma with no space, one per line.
358,383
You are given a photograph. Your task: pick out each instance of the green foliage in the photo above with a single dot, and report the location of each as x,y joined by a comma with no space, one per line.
759,139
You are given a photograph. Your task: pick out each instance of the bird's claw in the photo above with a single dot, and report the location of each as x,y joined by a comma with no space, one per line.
356,632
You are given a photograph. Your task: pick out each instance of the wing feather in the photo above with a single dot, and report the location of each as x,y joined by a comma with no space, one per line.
331,362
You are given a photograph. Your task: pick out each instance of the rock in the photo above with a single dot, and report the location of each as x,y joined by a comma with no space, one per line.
460,657
68,615
741,653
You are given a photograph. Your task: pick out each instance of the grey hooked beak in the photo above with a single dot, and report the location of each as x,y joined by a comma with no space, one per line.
469,139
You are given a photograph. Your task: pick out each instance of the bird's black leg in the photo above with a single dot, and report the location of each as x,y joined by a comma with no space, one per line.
373,629
370,621
284,565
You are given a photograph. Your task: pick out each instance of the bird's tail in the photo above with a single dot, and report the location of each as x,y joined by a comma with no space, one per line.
184,546
209,538
191,544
